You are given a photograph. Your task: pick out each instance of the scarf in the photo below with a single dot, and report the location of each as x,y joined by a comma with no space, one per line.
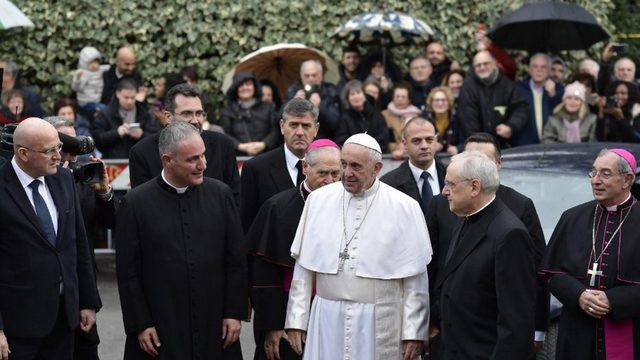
571,125
406,113
442,123
128,116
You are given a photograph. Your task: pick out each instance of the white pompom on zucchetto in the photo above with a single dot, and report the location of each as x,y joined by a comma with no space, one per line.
365,140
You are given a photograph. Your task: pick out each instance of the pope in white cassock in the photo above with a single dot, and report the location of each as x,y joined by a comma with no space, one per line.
366,247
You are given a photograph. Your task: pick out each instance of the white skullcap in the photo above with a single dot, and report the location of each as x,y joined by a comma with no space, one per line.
365,140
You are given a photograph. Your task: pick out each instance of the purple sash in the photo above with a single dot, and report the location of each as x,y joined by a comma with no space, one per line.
618,339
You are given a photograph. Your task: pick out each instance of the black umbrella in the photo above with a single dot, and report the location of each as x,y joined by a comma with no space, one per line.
548,27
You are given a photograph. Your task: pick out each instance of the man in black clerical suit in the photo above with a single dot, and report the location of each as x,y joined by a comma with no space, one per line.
47,285
183,104
281,168
270,239
440,222
181,262
419,138
486,289
591,264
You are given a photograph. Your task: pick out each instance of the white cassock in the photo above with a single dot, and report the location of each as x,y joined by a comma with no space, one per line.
381,295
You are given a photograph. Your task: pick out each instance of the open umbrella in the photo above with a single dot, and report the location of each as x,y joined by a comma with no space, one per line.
280,63
11,16
548,27
388,28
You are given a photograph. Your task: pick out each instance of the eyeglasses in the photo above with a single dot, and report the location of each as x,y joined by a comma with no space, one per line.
46,152
450,184
190,114
604,174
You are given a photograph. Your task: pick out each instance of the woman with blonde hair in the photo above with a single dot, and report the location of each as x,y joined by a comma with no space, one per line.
571,121
440,111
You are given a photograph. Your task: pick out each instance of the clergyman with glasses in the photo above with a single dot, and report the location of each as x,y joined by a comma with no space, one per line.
591,265
366,247
183,103
47,284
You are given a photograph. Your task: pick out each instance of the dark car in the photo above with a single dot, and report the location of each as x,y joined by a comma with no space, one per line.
555,177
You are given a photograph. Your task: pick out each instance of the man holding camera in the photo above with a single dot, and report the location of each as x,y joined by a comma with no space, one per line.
47,286
323,95
98,206
624,69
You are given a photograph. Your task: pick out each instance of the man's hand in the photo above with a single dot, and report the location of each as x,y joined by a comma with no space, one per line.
123,130
300,94
101,188
504,131
608,52
149,341
272,343
594,303
411,349
136,133
87,319
141,95
296,338
550,87
230,331
315,99
4,347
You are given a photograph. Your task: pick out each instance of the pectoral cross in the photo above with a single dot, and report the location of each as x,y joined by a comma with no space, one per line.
344,256
594,272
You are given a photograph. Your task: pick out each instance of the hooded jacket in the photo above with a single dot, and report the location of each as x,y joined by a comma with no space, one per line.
258,122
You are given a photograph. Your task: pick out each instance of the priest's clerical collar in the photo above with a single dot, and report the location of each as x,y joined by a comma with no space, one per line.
623,204
179,190
470,216
370,191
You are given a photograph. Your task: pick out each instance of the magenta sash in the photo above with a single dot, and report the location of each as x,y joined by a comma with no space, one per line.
618,339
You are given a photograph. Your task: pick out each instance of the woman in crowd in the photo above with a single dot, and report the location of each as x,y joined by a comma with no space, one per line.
250,122
270,93
620,114
397,113
591,97
454,80
440,111
14,107
162,86
571,121
359,115
67,108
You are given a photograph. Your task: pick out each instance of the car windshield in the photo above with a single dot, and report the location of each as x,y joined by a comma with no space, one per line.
551,192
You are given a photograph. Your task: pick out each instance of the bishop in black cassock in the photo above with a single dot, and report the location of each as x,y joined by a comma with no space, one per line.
591,265
180,257
270,237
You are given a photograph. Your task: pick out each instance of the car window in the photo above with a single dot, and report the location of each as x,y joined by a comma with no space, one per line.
551,192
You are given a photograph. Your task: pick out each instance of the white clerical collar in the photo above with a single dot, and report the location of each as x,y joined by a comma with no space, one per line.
417,172
24,178
482,208
615,207
179,190
291,158
306,187
370,191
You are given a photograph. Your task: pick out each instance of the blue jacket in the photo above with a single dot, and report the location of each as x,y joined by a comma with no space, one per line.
529,135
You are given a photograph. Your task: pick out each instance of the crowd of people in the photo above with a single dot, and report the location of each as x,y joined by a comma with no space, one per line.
335,260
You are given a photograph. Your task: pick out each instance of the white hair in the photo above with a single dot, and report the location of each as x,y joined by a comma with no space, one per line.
311,157
477,165
541,55
306,63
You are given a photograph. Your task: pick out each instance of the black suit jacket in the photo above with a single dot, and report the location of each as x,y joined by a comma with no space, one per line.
145,163
440,221
31,268
262,177
402,179
486,302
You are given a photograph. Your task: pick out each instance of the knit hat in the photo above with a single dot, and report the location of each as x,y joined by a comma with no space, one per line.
576,89
87,55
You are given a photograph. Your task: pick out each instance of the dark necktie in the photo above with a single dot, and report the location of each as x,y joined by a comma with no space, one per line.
300,178
427,193
43,213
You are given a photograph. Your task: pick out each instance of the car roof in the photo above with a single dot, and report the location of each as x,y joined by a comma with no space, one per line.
565,158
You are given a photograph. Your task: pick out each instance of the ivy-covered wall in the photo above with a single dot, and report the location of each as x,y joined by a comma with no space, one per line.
214,34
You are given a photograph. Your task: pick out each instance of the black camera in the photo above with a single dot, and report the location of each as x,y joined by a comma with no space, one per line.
612,102
89,173
6,140
310,90
78,145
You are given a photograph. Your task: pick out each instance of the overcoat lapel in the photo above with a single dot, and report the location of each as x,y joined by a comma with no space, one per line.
57,193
